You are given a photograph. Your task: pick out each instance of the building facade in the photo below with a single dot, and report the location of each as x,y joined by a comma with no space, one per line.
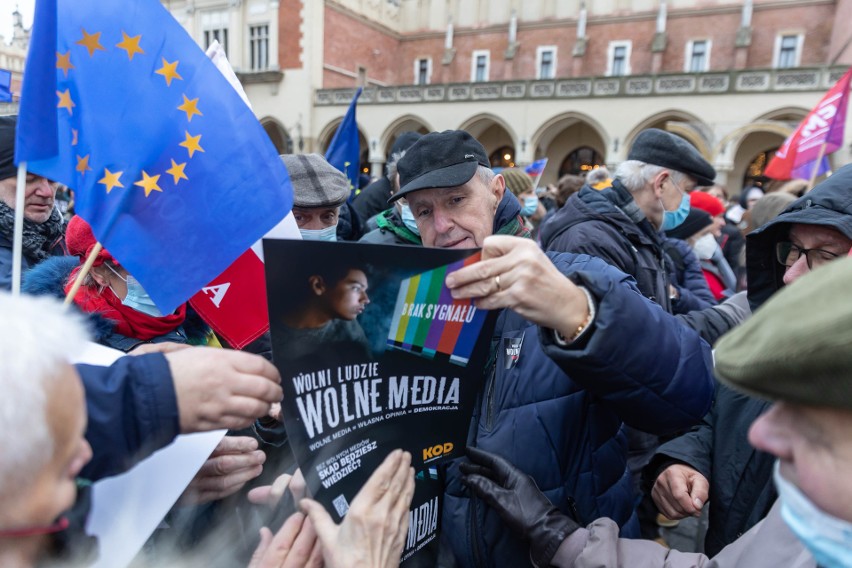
569,80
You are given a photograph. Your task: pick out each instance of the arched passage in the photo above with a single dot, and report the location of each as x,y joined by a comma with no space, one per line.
278,135
495,135
569,141
684,124
327,134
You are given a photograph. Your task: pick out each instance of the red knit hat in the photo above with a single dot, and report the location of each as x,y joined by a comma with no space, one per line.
80,241
706,202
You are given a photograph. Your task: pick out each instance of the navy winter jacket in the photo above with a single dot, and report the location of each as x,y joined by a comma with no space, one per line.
558,413
687,277
132,410
590,222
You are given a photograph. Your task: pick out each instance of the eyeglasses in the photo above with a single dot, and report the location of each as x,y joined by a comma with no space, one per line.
788,253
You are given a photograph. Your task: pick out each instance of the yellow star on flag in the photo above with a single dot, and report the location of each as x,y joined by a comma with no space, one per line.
63,61
176,171
130,45
169,71
73,136
111,180
65,101
192,144
92,42
190,107
148,183
83,164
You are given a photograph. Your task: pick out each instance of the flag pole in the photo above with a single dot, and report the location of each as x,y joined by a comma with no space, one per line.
18,235
83,272
817,164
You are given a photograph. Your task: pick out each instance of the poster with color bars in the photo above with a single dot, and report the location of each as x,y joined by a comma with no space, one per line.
428,322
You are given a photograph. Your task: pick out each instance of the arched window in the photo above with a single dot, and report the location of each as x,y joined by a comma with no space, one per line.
580,161
503,157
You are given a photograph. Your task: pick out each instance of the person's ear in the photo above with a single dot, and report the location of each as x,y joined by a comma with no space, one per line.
317,284
498,188
658,182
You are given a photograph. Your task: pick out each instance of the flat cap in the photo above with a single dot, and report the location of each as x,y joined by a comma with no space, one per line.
798,346
661,148
316,183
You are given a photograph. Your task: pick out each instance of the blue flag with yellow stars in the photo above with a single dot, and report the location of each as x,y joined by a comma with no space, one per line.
169,166
344,151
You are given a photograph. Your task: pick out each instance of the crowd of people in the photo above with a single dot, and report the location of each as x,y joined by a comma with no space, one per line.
643,388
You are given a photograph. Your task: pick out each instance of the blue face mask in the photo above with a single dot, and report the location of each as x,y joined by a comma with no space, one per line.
828,538
137,298
530,206
672,219
408,219
327,234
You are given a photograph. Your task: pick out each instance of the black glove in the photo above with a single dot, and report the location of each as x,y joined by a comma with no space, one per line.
520,503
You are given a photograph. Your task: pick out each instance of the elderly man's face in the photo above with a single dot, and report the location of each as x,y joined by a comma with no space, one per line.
38,199
54,489
814,446
316,218
457,217
834,244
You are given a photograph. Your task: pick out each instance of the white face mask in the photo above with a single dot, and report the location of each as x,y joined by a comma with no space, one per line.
705,246
828,538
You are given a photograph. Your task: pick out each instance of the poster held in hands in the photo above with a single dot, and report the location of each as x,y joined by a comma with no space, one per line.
374,355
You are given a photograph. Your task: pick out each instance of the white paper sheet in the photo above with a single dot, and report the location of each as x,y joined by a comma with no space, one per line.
127,508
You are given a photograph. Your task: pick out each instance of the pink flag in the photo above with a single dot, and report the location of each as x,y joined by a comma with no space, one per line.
797,157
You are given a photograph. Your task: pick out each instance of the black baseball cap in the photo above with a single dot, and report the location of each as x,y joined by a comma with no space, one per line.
438,160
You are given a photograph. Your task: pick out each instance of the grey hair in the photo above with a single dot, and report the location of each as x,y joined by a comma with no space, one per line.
393,169
597,175
486,175
393,164
38,335
634,175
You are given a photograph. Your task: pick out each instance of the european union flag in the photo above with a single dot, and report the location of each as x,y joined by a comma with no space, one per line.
5,86
344,152
169,166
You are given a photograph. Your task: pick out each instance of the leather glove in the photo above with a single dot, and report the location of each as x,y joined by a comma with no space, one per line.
519,502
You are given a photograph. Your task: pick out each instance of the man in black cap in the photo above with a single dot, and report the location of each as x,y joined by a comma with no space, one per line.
621,223
43,224
560,383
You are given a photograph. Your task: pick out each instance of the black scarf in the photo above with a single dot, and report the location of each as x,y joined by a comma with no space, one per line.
39,238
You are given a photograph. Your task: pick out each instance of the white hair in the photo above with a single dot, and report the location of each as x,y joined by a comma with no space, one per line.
37,336
486,175
634,175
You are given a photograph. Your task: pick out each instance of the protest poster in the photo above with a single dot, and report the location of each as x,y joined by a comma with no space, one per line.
374,355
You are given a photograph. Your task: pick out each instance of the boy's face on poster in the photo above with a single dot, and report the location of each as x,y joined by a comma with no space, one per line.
348,298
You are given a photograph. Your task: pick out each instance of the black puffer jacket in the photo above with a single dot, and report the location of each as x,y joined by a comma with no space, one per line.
609,225
741,488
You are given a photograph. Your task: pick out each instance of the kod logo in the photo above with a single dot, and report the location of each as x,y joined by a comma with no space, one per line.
437,451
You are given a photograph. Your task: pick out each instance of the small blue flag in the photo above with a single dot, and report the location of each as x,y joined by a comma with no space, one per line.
170,167
344,152
5,86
